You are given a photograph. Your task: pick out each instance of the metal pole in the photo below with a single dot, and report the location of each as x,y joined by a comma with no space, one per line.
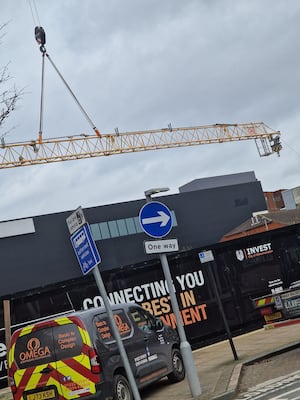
185,347
116,333
7,324
213,281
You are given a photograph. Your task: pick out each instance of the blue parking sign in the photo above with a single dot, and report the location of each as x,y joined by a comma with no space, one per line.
85,249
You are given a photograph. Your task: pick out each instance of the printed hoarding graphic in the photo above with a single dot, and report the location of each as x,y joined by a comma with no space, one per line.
255,251
154,297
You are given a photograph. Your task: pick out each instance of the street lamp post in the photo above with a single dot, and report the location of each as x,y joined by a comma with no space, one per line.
150,192
185,347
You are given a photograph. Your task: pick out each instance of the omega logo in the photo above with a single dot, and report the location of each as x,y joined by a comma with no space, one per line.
33,344
34,351
122,326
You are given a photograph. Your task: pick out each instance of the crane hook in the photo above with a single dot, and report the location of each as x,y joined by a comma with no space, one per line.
40,37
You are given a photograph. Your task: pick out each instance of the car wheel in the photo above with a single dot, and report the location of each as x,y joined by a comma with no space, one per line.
178,371
122,390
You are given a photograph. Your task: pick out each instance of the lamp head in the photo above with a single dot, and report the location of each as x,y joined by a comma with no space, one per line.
148,193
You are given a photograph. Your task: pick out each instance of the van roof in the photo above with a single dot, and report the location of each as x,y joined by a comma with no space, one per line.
91,311
87,314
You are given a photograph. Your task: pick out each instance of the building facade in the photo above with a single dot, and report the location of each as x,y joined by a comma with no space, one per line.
42,276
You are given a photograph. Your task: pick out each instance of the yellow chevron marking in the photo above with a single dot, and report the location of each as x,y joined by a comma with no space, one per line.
28,329
69,390
11,355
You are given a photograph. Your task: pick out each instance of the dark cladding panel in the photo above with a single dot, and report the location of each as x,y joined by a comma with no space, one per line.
205,216
46,256
218,181
40,258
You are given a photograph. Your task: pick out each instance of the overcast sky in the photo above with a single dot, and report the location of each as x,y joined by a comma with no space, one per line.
140,65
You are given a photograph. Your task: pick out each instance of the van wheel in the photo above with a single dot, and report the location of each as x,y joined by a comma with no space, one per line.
178,372
122,390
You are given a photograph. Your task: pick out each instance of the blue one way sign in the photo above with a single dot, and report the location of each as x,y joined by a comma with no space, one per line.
155,219
85,249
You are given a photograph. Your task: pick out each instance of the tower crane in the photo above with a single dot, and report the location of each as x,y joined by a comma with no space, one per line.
89,146
44,151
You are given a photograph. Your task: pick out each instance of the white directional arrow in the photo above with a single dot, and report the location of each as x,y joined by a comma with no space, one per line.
163,218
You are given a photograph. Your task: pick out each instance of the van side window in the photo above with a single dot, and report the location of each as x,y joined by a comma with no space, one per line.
144,320
104,329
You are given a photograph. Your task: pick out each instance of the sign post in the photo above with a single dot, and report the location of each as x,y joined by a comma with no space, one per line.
88,257
116,333
208,257
156,221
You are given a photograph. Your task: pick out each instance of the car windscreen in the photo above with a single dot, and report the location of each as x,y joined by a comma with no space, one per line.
46,345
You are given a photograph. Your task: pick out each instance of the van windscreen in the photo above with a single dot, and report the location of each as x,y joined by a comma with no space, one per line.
46,345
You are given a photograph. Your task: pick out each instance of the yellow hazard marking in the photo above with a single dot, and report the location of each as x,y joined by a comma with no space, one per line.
28,329
66,389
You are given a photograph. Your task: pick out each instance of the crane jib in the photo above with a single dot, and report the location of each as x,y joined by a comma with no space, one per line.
87,146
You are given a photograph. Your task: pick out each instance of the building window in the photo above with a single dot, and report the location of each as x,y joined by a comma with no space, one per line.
104,230
96,232
120,227
131,229
174,220
113,228
137,225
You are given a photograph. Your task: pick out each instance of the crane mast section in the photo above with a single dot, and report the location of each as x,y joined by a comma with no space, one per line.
88,146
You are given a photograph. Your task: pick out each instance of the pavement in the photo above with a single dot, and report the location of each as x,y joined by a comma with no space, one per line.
219,373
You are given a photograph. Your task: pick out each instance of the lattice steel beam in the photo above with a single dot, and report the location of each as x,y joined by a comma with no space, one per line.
88,146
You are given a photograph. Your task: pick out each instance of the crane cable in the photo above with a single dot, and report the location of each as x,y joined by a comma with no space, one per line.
40,37
34,12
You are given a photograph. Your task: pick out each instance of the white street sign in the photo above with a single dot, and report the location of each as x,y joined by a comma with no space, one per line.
161,246
76,220
162,217
206,256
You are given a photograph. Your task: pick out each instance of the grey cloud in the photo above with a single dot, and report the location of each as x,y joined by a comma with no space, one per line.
140,65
